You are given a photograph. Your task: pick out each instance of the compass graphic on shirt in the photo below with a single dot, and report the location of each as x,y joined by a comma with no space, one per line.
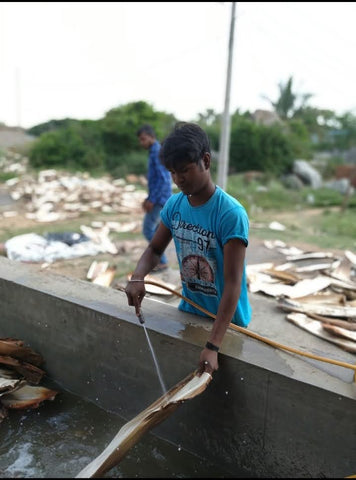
196,267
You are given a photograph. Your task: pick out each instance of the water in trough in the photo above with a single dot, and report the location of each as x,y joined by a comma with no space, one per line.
61,437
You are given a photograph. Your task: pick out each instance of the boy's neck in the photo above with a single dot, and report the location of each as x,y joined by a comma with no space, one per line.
203,196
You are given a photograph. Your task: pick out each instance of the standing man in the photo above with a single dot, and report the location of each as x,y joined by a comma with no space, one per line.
210,230
159,188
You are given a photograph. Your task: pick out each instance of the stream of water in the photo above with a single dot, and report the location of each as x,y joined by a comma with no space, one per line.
158,370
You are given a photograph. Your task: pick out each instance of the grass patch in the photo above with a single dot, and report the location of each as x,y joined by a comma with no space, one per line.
4,176
339,223
313,216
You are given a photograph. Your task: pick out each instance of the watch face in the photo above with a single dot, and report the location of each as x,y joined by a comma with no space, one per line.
197,267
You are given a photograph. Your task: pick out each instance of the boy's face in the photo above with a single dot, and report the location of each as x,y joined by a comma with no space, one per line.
145,140
190,178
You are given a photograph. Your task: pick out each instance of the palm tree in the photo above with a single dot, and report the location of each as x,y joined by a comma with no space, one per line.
286,104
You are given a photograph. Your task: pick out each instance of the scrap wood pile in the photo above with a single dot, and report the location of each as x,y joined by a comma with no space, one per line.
20,375
53,195
102,274
318,289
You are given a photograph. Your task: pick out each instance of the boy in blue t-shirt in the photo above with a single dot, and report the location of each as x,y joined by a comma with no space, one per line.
210,232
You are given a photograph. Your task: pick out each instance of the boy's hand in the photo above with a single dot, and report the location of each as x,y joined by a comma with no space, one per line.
208,361
135,291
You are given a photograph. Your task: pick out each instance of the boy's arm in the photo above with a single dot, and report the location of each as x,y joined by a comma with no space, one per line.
135,289
234,257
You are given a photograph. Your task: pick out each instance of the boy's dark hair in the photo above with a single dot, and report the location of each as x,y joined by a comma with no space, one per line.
187,143
146,129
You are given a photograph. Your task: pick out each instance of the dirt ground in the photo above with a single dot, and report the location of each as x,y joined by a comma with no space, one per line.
130,245
129,249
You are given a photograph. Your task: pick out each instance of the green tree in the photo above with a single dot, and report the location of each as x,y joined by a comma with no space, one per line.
245,153
258,147
288,102
299,138
347,133
37,130
210,122
77,146
104,144
119,126
60,149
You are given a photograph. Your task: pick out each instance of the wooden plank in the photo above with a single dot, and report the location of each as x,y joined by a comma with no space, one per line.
316,328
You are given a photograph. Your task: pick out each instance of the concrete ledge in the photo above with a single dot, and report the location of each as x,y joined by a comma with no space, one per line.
265,411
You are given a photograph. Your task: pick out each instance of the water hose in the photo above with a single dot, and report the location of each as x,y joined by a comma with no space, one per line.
256,335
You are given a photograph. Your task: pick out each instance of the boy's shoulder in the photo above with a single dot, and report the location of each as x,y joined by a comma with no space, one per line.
227,198
175,197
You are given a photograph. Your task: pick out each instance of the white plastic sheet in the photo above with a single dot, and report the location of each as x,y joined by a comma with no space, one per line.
31,247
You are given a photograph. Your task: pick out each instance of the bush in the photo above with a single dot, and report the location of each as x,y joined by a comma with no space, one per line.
120,125
133,162
75,147
55,149
109,144
50,126
257,147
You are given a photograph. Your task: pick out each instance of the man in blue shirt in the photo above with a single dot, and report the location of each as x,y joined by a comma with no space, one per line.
159,187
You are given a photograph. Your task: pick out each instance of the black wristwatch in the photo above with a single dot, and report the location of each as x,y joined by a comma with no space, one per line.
211,346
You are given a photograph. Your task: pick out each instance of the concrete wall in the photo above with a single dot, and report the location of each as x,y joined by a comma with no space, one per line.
265,411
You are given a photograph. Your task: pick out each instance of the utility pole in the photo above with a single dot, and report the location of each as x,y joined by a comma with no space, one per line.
223,163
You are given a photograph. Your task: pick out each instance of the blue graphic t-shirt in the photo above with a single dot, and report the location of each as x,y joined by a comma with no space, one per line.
199,234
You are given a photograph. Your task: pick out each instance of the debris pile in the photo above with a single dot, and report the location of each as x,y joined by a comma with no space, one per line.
13,162
101,274
20,375
53,195
318,289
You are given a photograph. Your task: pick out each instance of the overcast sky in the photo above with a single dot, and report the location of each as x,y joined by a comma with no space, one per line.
81,59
